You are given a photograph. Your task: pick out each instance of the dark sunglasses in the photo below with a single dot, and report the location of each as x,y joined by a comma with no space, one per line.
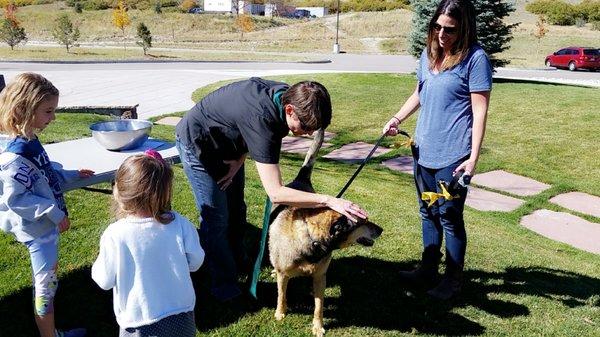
448,30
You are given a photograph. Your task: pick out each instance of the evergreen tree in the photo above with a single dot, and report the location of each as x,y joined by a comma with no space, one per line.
78,7
423,11
146,38
492,33
64,31
158,7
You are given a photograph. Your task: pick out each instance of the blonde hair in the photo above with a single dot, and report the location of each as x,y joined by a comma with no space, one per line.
143,186
19,100
463,12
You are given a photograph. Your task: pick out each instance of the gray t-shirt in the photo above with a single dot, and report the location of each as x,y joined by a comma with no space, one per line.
444,126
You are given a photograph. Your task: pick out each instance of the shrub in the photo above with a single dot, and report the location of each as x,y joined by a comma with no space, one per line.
96,5
372,5
244,24
64,31
595,25
186,5
11,33
145,37
354,5
589,10
558,12
579,22
540,7
562,14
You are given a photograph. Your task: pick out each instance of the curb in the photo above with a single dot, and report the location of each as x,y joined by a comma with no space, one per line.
160,61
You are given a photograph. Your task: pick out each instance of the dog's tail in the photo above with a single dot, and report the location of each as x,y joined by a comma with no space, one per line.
311,155
302,181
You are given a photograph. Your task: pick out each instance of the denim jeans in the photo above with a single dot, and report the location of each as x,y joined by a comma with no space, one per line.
222,222
443,217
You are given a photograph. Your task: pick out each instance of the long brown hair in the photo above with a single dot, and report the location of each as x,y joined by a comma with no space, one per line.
19,100
466,36
144,186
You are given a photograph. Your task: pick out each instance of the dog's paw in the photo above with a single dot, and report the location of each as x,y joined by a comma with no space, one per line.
318,330
279,315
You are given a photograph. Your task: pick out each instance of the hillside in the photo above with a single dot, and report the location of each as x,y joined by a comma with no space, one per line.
362,32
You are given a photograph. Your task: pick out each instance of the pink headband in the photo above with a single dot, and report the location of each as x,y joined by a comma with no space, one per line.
154,154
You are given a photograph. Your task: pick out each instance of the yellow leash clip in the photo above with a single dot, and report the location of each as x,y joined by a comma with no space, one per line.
432,197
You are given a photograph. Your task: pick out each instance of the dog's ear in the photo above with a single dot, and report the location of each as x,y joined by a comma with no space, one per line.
340,226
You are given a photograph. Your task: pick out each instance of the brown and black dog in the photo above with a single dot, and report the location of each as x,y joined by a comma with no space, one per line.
301,240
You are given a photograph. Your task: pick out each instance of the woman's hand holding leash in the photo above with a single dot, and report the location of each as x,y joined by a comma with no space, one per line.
234,166
391,127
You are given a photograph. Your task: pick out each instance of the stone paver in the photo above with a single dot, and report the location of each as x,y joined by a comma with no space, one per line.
298,144
171,120
489,201
355,152
509,182
566,228
580,202
403,164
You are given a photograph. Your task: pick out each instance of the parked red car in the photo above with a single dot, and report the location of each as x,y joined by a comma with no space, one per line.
575,58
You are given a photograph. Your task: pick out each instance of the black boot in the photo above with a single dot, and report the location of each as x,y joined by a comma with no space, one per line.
426,272
450,285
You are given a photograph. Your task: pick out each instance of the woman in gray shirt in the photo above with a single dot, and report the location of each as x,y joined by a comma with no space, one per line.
453,92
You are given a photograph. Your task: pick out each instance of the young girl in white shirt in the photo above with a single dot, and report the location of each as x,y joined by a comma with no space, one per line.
147,255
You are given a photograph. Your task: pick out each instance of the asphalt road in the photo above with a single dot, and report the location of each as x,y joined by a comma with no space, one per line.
165,87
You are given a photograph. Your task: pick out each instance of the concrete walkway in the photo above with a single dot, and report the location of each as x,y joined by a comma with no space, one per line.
165,87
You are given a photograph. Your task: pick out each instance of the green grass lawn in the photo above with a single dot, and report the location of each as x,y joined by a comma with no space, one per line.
519,283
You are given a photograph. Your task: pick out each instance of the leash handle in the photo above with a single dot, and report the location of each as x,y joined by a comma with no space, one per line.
339,195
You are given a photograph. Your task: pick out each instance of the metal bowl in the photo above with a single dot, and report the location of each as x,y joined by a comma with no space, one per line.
125,134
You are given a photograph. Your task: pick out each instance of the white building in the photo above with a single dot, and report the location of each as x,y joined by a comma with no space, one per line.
318,12
221,6
278,8
252,9
229,6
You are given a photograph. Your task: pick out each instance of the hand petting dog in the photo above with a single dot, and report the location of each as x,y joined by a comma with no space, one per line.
347,208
